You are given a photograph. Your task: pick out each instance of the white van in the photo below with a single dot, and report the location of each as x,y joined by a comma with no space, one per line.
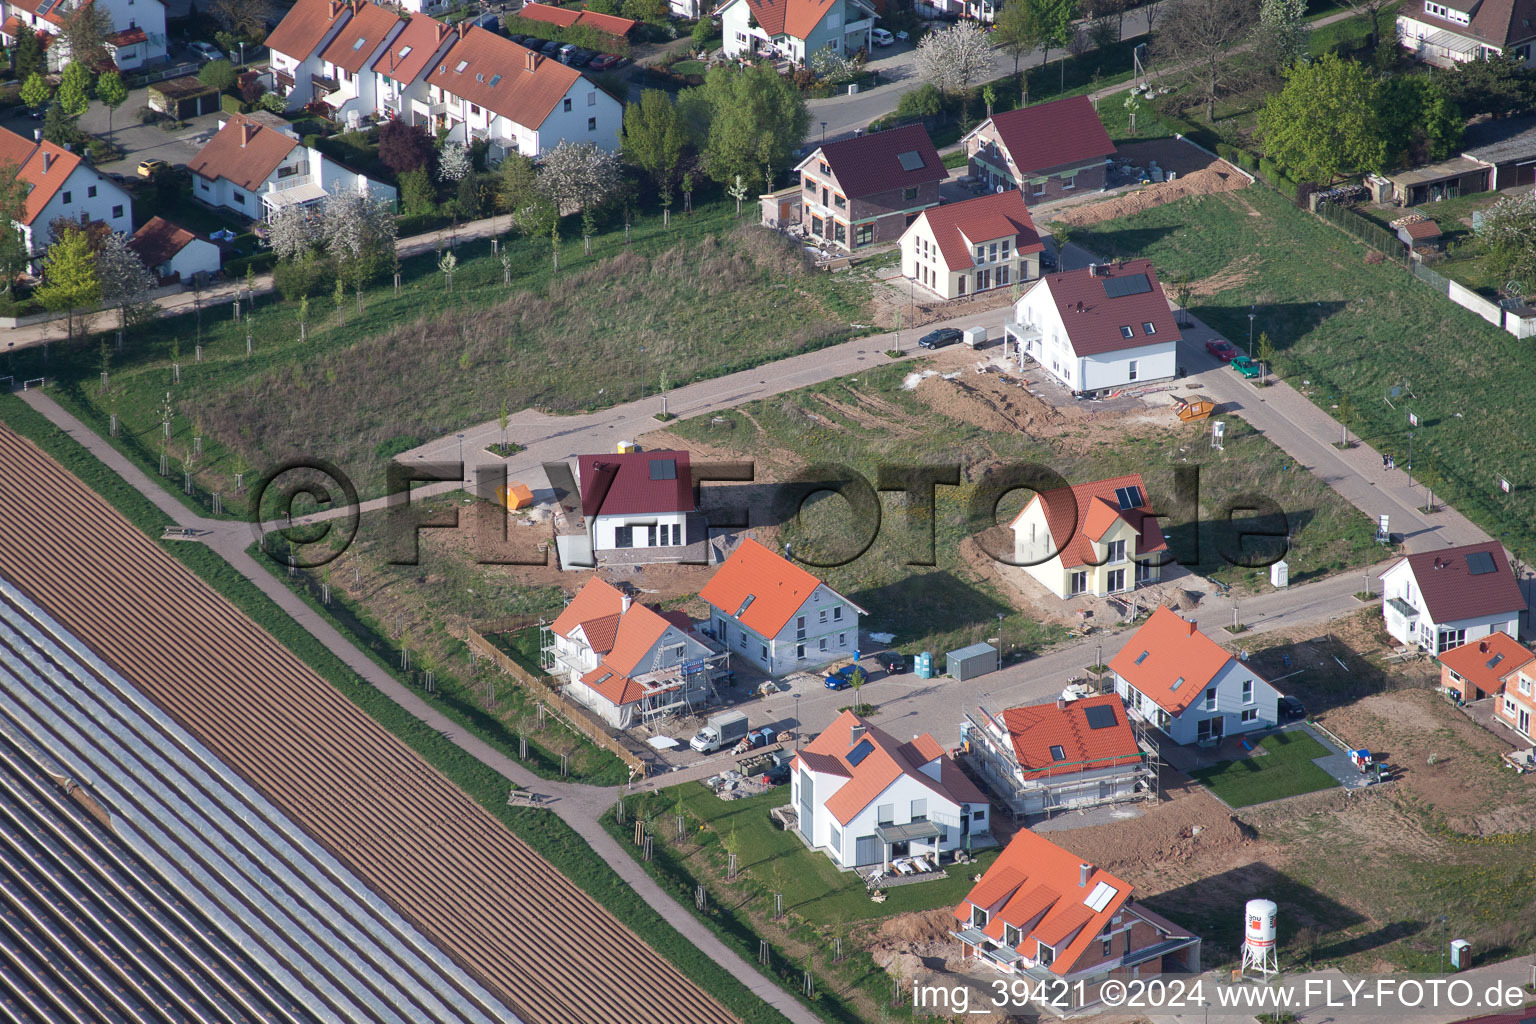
881,37
566,52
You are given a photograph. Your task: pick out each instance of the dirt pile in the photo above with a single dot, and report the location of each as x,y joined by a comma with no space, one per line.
1219,177
1194,825
991,401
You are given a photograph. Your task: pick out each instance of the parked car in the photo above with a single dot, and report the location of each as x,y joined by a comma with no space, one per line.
1290,708
582,58
552,48
207,51
535,43
842,678
1245,366
151,168
1222,349
939,338
517,37
1047,261
567,51
882,37
894,662
604,62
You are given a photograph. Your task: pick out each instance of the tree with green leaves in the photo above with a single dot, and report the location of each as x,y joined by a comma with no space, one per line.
75,89
1055,18
703,32
85,29
1419,123
516,179
35,91
13,205
112,93
1498,84
1324,121
1266,353
69,283
27,54
755,119
1283,31
654,138
1019,34
1507,236
219,74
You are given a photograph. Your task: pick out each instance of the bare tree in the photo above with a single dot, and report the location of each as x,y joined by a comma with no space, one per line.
579,175
242,17
1204,36
125,282
955,57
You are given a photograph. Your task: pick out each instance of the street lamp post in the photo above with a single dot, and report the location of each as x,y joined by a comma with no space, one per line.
642,373
999,641
797,721
1250,334
1409,468
462,468
1443,926
823,133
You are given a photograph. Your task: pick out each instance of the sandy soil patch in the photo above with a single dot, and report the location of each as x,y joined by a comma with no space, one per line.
1219,177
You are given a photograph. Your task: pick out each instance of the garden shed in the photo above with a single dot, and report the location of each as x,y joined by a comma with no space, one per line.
183,98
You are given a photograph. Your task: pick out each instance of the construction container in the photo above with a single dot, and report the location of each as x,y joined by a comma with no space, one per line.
975,336
514,495
627,447
970,662
923,666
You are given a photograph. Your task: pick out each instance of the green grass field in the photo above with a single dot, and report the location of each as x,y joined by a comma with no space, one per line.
1345,328
1285,769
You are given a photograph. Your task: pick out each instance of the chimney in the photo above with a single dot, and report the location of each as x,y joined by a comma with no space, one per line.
1061,703
1483,647
462,26
532,61
624,603
247,132
442,30
336,8
47,161
37,135
1083,871
856,733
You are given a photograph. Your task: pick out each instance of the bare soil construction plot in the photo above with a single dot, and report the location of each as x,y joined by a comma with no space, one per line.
1198,174
503,911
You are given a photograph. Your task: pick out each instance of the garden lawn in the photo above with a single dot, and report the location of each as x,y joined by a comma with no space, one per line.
1343,326
1285,769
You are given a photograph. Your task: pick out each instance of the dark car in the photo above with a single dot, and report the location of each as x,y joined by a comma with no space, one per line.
551,48
534,42
894,662
939,338
582,58
1047,261
1222,349
1290,708
842,678
605,61
517,37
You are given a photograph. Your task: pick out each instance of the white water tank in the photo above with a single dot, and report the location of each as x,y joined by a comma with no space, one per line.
1259,930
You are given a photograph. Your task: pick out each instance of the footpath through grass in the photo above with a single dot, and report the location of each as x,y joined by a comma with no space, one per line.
548,835
1345,328
1284,769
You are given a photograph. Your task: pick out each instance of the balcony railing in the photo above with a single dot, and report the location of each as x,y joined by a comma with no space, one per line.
292,181
323,84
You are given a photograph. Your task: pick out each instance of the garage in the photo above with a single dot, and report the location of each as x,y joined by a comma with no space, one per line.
183,98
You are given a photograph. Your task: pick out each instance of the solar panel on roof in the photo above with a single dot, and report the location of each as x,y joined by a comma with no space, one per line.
1100,717
1480,563
1128,497
663,469
860,752
1130,284
910,160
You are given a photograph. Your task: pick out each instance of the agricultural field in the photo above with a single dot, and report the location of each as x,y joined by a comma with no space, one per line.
1347,328
979,422
367,385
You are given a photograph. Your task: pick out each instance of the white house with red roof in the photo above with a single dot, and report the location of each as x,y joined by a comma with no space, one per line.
1060,755
973,246
869,189
779,617
635,507
1178,679
297,43
1450,32
135,37
627,662
347,61
1042,913
1442,599
795,29
400,86
1047,151
1099,329
1094,538
60,185
867,799
172,253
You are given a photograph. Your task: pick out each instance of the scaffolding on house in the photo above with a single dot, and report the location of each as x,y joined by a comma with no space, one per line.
681,688
988,746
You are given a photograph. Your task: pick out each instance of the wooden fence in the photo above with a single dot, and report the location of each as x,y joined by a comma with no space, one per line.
569,714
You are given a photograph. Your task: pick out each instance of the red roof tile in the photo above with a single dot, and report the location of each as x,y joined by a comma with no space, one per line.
959,226
1035,730
822,764
504,78
888,761
159,240
43,165
303,28
1061,133
1489,661
413,49
1082,514
1422,229
635,484
1095,321
244,152
565,18
369,26
1452,592
775,586
1170,661
127,37
796,18
871,164
623,635
1023,908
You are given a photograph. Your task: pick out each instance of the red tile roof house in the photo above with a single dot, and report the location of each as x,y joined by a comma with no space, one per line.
1182,682
488,87
1059,755
776,615
795,29
347,62
60,184
869,800
626,662
565,17
870,189
963,248
1047,151
1516,705
1097,330
1043,914
255,165
297,42
1442,599
1450,32
1484,668
635,508
1094,538
400,87
135,29
173,253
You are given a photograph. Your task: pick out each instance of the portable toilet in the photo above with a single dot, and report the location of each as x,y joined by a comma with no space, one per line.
970,662
924,665
627,447
975,336
1280,575
1461,954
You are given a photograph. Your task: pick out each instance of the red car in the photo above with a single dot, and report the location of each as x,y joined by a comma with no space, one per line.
604,61
1221,349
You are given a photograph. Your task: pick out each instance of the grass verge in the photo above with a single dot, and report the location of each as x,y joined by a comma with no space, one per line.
1284,769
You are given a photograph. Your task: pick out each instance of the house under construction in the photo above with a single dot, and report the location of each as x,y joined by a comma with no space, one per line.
1062,755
